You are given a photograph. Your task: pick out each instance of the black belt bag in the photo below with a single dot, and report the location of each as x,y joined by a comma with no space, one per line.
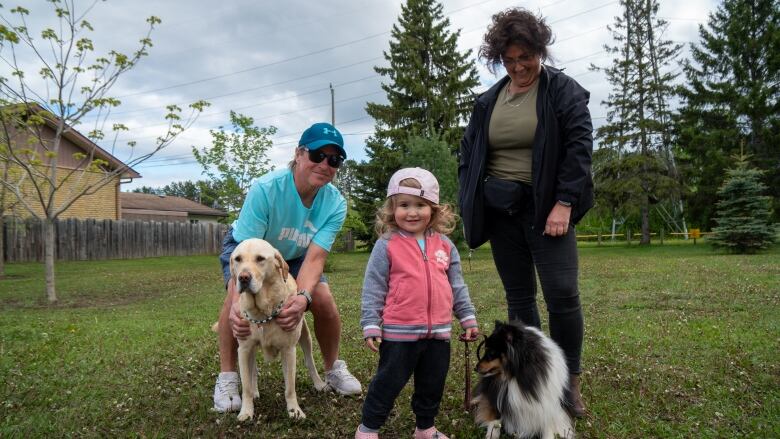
505,196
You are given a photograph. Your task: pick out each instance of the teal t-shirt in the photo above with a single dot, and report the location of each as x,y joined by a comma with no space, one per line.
273,211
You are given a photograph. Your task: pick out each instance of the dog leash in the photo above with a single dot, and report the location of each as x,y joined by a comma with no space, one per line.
467,372
267,319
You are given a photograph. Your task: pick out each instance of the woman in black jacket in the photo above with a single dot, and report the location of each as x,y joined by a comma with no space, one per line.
525,179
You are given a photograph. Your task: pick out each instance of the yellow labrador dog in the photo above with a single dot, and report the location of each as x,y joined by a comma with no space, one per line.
264,284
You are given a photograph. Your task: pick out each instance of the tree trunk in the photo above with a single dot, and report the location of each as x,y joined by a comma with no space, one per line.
48,258
2,240
645,222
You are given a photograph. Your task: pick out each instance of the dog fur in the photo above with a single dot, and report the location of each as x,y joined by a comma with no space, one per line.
263,282
523,377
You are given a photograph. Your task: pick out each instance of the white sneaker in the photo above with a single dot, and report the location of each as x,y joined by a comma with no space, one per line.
341,381
226,395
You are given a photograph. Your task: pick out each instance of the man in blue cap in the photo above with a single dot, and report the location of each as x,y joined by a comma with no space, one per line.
299,212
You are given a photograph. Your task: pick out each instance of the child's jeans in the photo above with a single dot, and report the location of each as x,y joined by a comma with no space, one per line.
428,360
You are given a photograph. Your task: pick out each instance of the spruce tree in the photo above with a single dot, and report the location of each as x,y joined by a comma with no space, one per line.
743,214
429,95
731,95
640,172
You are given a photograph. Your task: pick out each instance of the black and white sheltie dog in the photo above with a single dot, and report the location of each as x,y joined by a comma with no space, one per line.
523,377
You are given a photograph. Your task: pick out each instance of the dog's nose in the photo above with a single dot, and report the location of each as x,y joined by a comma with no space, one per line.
244,278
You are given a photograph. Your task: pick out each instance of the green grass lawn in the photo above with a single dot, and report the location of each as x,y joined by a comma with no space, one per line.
681,342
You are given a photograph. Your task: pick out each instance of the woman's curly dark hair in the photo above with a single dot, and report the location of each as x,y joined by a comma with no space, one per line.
515,26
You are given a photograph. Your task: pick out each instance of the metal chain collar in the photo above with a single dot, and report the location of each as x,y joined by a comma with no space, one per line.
267,319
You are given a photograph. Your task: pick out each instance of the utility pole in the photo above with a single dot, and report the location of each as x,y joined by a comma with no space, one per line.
332,107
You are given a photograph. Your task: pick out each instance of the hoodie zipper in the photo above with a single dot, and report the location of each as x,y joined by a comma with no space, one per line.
428,283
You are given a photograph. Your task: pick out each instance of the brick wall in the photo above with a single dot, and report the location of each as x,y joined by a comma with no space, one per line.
100,205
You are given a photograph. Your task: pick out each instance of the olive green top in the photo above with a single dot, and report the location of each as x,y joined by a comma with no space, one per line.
511,135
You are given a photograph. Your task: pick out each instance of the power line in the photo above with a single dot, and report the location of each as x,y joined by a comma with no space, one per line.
270,116
367,117
246,90
323,88
326,49
583,12
225,75
250,69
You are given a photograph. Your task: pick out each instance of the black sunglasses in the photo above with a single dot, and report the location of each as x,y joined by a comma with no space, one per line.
317,156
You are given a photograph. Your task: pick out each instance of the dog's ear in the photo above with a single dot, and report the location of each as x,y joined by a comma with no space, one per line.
499,327
284,269
507,331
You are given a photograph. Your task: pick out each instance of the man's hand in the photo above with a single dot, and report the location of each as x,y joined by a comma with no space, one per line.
291,313
239,326
558,220
373,343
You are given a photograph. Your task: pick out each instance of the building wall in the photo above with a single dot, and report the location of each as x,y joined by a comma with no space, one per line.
203,219
66,156
100,205
154,215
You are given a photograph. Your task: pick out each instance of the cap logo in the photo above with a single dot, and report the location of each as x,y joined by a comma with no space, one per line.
328,131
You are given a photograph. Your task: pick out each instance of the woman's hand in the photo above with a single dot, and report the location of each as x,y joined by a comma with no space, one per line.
291,313
558,220
471,333
373,343
239,326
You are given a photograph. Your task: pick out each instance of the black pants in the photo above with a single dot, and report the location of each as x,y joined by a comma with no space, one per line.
428,360
519,251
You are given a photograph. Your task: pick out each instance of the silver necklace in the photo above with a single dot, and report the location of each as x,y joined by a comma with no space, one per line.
522,100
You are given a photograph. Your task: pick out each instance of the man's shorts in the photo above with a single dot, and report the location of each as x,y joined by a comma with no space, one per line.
229,244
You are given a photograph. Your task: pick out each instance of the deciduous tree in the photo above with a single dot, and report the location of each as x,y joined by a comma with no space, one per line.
235,158
39,110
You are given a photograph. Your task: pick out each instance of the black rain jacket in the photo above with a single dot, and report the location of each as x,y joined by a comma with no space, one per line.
561,158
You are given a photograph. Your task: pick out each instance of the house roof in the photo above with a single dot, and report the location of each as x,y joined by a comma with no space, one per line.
134,200
82,141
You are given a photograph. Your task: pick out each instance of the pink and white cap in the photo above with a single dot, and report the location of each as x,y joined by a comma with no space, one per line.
429,186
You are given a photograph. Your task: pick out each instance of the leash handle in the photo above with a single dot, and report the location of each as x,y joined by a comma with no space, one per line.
466,372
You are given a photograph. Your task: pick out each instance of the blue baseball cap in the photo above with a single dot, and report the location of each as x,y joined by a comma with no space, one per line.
322,134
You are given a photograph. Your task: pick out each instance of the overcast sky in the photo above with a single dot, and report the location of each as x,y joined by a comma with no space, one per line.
274,60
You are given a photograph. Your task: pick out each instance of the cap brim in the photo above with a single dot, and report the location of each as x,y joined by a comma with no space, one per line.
317,144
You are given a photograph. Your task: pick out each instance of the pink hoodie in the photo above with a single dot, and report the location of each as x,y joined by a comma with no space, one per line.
410,295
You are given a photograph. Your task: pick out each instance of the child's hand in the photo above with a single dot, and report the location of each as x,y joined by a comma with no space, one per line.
471,333
373,343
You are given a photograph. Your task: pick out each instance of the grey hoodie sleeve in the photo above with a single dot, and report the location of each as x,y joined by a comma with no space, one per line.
461,302
375,286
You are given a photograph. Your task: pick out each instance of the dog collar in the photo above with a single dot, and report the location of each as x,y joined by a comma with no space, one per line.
267,319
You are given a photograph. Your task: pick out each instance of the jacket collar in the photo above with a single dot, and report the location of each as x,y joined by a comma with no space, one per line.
491,95
428,232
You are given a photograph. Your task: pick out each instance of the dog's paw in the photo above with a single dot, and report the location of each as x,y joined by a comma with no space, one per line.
245,416
493,430
296,413
321,386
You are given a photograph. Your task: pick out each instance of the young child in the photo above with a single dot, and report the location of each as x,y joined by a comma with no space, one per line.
412,285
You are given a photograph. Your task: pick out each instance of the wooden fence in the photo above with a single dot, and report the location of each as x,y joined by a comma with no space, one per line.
80,240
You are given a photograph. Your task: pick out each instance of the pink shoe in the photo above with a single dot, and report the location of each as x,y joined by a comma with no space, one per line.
360,435
430,433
